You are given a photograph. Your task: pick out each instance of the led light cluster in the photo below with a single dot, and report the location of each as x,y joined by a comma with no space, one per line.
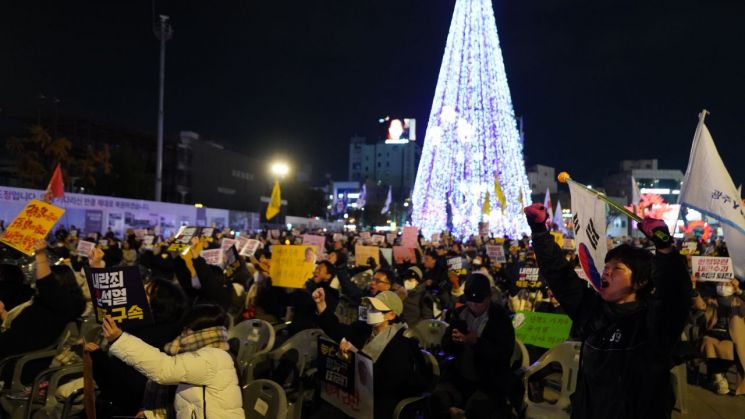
472,136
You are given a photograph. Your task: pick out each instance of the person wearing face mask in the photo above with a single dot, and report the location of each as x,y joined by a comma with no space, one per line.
628,331
418,304
399,370
724,340
481,340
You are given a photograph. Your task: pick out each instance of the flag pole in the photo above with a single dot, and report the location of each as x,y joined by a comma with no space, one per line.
565,178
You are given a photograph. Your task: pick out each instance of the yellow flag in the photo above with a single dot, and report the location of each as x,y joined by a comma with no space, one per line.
487,207
274,205
500,194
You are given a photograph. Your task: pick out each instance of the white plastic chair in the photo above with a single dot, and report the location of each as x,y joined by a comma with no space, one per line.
429,333
567,355
255,337
520,357
264,399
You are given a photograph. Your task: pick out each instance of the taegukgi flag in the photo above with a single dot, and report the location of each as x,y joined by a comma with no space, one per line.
708,188
589,232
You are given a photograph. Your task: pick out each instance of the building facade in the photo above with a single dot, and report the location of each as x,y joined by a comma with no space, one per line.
385,164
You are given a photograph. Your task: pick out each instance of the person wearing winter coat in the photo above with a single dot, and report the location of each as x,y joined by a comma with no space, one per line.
418,304
197,361
399,370
629,325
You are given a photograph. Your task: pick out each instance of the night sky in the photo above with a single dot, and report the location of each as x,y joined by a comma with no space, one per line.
596,81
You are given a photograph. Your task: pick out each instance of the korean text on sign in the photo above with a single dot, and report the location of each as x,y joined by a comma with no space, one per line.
118,292
32,224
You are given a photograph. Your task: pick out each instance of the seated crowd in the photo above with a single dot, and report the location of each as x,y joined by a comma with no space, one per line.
188,362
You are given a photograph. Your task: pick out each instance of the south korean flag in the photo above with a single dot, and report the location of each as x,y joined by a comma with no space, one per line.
589,232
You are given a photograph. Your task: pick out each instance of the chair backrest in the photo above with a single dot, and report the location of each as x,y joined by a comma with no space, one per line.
300,349
264,399
429,333
520,357
432,363
255,337
567,355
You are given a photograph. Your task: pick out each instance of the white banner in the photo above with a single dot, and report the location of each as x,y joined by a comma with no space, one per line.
589,232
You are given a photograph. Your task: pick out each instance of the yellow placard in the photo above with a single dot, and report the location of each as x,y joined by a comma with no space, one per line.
292,265
558,238
363,253
32,224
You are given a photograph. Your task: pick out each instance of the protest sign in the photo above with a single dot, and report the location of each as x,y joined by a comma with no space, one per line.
85,248
568,244
458,265
365,235
387,255
544,330
558,238
403,254
250,248
363,253
119,292
496,253
208,232
484,229
212,256
318,241
32,224
409,237
710,268
291,265
391,238
183,240
689,248
148,241
528,278
231,261
346,379
240,243
377,239
226,244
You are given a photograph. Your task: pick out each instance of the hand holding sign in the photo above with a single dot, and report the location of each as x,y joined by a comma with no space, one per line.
110,329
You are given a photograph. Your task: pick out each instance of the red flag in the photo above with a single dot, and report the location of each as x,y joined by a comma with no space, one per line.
56,188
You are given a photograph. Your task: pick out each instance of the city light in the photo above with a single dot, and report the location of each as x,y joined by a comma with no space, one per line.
198,205
280,169
472,141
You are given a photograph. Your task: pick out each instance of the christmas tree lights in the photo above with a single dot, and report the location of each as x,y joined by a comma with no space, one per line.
472,137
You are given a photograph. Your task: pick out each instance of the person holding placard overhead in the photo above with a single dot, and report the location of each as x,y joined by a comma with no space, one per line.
628,325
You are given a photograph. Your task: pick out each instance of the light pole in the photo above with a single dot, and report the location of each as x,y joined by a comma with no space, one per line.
163,32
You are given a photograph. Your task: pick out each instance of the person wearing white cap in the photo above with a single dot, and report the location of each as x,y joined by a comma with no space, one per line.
399,370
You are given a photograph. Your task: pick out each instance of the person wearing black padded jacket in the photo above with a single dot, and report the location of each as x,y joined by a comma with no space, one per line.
629,326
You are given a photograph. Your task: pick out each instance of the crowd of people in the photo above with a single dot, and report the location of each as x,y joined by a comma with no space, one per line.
183,364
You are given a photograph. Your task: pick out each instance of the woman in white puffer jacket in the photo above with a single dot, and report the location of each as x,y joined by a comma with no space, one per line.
198,361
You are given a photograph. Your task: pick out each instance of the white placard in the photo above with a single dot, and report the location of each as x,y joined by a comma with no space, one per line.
710,268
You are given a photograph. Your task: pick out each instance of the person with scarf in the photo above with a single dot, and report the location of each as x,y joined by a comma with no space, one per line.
197,361
629,325
399,370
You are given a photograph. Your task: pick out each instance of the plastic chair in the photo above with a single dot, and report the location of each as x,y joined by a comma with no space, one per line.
50,403
418,407
264,399
567,355
254,336
520,358
429,333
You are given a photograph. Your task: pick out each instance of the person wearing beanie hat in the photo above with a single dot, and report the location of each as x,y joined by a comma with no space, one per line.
399,369
481,340
629,324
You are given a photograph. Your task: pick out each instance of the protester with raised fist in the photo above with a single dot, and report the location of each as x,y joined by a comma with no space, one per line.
629,325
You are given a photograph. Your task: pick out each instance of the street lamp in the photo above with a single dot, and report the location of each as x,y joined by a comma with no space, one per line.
280,169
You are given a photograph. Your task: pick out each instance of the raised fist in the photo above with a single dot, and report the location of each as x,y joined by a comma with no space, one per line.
657,231
537,216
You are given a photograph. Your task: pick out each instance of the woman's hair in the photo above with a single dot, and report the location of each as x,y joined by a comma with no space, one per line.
168,302
204,316
640,263
65,276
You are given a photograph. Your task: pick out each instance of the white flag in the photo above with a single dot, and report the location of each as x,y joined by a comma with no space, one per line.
558,219
387,204
547,204
362,200
589,232
708,188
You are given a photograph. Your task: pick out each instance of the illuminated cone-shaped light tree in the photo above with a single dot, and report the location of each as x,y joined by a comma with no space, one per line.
472,141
